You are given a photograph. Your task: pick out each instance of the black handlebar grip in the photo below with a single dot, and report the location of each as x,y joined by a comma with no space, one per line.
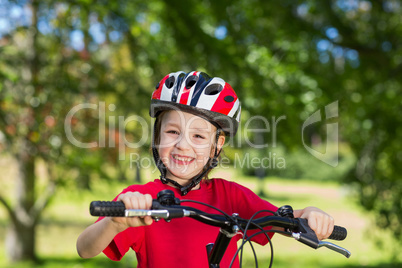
107,208
339,233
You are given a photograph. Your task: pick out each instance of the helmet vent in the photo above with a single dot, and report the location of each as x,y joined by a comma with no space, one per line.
229,98
170,82
191,80
213,89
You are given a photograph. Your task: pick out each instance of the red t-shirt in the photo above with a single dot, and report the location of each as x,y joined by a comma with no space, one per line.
181,242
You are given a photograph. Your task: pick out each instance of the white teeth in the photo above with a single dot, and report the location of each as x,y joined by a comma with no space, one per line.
184,159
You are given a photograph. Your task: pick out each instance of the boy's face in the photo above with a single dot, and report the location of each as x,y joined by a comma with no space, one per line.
186,143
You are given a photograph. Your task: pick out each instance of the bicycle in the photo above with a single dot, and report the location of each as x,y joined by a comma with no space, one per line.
168,207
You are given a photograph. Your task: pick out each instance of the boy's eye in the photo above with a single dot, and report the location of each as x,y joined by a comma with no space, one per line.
199,136
172,132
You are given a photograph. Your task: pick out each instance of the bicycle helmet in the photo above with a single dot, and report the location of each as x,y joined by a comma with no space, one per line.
197,93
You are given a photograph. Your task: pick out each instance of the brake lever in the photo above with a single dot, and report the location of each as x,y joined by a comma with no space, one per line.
308,237
335,248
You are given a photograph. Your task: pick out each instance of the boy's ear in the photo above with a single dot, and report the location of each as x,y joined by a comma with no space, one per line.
221,142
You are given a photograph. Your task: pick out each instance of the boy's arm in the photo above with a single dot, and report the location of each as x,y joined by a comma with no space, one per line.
98,236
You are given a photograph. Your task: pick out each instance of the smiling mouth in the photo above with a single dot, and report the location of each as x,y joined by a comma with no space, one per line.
182,160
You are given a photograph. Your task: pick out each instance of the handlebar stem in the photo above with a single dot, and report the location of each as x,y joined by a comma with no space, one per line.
217,250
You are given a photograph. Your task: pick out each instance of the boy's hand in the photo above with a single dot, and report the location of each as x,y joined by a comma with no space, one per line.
318,220
134,200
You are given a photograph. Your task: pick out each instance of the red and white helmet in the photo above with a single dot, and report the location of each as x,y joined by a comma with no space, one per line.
195,92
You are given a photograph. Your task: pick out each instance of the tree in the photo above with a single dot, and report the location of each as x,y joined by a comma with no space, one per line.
45,78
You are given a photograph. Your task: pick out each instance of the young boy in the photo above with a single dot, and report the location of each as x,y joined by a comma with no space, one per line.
194,113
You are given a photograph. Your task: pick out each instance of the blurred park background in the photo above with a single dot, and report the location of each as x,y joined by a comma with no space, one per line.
75,83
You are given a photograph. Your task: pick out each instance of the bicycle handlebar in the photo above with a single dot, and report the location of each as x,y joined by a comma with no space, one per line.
170,209
158,211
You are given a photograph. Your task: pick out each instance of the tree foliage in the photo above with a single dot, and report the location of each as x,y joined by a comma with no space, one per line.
283,58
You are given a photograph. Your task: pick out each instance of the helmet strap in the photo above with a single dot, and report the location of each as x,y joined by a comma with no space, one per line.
158,161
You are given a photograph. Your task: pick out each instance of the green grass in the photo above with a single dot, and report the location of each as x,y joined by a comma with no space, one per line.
68,216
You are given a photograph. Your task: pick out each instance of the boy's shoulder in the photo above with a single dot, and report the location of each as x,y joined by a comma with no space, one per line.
231,189
220,181
227,184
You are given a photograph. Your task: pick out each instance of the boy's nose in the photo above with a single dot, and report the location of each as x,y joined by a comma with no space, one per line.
182,143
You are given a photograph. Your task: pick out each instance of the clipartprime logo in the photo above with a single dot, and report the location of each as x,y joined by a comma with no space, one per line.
247,134
258,132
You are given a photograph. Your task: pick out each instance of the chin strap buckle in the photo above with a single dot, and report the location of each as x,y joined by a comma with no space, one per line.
183,189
